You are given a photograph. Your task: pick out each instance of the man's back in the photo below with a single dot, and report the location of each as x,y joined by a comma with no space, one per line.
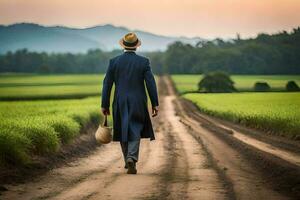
131,119
129,70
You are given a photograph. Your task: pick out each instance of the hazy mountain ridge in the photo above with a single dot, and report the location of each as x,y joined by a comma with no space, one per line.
59,39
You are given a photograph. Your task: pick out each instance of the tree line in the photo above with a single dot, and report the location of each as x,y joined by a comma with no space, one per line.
266,54
94,61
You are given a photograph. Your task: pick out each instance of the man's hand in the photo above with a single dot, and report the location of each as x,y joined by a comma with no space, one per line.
105,111
154,111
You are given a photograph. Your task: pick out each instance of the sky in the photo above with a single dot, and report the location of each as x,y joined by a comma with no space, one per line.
203,18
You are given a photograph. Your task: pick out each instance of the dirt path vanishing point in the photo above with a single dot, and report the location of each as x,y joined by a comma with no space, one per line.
193,157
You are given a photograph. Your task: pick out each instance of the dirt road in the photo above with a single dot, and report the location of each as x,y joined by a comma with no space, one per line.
193,157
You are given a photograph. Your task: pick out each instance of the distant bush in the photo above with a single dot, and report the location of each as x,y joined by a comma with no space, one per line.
262,87
292,86
216,82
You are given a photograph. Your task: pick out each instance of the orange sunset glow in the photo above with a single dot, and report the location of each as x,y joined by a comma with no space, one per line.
205,18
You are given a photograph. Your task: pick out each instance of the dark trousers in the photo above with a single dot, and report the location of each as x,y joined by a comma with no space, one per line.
130,149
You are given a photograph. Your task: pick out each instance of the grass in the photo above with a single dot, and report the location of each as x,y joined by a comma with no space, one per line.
40,127
188,83
277,113
37,79
22,87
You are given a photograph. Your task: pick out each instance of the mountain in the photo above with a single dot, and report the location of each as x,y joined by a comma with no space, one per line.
57,39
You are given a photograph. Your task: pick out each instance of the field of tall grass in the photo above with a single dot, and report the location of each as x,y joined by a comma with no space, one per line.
34,118
30,86
188,83
276,113
41,127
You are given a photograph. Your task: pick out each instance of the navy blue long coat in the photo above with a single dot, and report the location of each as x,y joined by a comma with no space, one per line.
129,72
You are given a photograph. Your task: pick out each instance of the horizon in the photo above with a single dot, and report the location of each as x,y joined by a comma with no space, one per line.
139,30
206,18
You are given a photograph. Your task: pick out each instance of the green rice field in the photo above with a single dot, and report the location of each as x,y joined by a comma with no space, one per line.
40,127
28,86
188,83
276,113
44,120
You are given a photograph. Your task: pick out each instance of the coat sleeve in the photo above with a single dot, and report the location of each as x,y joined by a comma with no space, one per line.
107,85
150,84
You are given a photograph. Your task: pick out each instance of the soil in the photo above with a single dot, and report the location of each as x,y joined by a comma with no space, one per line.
194,156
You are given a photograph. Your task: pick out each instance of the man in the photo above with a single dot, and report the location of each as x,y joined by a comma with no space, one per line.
129,72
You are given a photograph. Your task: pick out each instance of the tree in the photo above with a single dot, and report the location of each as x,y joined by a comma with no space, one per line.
292,86
262,87
216,82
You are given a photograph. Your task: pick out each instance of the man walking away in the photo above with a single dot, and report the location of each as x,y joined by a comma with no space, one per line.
131,120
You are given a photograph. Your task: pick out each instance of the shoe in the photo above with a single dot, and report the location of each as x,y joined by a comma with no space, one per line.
131,166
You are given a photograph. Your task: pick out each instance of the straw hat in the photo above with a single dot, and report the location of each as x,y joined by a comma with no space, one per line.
130,41
103,133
